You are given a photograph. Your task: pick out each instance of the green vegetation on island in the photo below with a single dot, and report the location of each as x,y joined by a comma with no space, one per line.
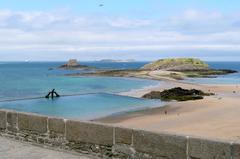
189,67
178,94
177,64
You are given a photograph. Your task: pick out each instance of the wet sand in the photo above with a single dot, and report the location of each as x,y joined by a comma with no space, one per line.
215,116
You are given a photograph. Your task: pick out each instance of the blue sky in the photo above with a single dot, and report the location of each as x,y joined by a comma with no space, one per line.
120,6
122,29
133,8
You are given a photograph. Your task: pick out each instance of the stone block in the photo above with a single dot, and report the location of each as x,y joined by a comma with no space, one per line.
3,120
160,146
35,123
208,149
125,151
89,133
123,136
56,126
12,118
236,150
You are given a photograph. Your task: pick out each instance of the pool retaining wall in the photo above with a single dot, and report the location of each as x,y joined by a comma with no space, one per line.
108,141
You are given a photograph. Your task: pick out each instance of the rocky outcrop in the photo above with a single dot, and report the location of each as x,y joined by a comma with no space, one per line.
211,73
73,64
178,94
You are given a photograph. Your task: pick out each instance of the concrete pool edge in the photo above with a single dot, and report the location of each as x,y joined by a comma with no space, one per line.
109,141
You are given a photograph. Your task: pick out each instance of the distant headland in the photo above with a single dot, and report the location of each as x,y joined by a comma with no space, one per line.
112,60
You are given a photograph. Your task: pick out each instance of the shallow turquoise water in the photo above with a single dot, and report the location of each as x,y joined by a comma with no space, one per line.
85,107
21,80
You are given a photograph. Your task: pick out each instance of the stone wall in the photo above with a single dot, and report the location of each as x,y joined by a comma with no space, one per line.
111,142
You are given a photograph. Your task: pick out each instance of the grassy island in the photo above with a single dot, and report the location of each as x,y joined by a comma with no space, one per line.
177,64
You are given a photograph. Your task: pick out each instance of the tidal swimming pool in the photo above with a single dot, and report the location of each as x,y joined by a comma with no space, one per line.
81,107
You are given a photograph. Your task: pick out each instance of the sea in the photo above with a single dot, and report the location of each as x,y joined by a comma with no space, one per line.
23,86
34,79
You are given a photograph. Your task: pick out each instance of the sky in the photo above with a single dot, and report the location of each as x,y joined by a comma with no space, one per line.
57,30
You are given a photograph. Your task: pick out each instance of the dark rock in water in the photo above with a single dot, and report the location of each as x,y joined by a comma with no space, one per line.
73,64
226,71
211,73
177,94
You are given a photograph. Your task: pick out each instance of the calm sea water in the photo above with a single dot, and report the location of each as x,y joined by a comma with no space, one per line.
23,80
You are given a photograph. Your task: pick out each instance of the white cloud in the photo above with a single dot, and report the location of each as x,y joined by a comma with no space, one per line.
60,31
196,15
127,23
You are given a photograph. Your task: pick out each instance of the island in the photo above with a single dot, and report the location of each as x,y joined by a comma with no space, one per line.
73,64
177,64
170,69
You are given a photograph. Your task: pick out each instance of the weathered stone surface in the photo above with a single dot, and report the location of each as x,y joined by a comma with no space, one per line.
98,139
12,121
160,145
11,149
32,123
123,136
236,150
124,151
89,133
56,125
3,119
209,149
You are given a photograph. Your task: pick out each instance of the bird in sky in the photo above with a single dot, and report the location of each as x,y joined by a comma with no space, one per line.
101,5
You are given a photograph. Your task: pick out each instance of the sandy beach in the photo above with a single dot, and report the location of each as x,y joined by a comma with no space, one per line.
214,116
